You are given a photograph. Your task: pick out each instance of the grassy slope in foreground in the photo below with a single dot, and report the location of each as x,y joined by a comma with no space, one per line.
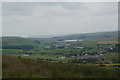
14,67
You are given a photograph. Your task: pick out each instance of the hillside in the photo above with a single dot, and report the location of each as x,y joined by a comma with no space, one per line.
98,36
92,36
55,58
17,42
14,67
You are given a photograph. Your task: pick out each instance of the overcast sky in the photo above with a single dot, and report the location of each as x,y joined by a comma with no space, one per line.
56,18
0,19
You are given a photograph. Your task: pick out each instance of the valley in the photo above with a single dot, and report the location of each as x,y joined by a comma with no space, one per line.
96,49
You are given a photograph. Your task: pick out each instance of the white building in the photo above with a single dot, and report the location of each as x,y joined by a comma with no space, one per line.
72,40
61,57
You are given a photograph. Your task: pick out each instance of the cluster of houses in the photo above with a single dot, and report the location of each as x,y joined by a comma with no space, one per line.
67,46
86,56
97,54
71,47
61,57
75,47
111,48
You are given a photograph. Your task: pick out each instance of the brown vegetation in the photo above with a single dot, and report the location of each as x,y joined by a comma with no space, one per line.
14,67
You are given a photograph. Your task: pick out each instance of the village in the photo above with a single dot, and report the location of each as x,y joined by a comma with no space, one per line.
65,51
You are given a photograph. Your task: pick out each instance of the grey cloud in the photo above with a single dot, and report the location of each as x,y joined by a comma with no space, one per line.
0,19
42,18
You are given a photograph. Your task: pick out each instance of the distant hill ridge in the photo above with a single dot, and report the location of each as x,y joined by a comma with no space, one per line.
98,36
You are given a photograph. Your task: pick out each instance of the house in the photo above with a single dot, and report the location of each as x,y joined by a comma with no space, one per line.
61,57
25,55
47,47
78,47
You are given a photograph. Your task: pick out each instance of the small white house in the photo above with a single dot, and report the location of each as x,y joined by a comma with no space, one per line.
25,55
61,57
